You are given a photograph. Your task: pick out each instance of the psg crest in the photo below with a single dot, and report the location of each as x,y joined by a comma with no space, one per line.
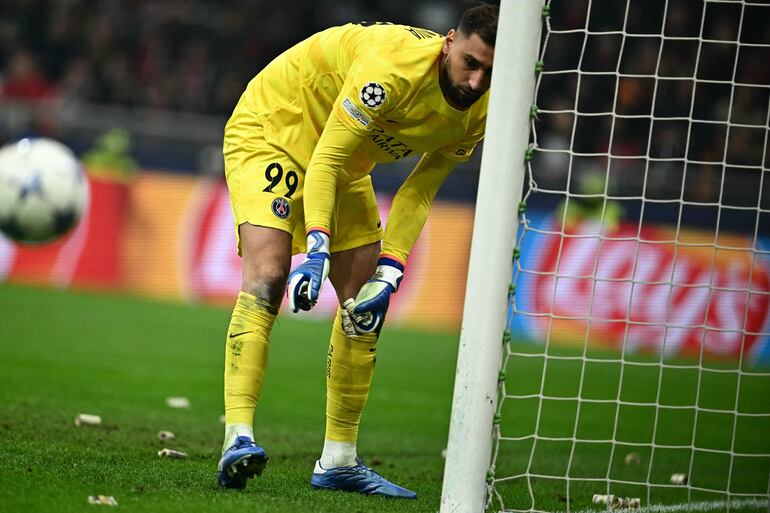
373,95
281,208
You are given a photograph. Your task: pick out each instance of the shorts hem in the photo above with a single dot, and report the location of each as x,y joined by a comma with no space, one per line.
363,240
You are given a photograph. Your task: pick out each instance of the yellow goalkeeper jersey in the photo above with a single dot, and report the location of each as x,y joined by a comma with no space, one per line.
342,69
378,81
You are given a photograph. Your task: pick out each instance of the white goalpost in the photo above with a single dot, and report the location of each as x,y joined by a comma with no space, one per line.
615,345
502,172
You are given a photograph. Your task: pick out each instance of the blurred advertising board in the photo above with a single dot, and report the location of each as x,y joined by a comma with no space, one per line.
644,291
648,290
172,237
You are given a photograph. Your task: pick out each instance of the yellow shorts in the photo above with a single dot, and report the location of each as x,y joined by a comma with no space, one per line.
265,185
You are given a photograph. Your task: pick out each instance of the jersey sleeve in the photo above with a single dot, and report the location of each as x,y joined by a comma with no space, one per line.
462,150
412,203
335,146
371,90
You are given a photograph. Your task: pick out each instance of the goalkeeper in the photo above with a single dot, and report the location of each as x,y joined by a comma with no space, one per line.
299,148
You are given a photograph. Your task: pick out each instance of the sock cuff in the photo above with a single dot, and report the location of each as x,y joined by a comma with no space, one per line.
232,431
337,454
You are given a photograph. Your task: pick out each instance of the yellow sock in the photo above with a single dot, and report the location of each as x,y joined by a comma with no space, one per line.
248,340
349,370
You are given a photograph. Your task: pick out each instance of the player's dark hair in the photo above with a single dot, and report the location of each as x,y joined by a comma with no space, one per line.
481,20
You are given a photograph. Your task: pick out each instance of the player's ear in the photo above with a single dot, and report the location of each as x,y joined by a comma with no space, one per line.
449,41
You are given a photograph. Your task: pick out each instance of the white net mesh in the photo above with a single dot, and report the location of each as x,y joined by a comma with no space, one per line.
643,268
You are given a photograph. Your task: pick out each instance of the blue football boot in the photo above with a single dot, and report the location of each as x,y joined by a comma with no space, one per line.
359,478
240,462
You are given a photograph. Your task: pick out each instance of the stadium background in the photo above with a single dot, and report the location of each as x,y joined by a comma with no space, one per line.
141,91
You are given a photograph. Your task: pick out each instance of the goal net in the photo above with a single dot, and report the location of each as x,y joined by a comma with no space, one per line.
635,362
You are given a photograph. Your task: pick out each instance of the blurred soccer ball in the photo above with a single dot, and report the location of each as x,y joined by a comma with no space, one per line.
43,190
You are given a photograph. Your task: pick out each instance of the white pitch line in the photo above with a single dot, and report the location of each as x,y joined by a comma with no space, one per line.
735,505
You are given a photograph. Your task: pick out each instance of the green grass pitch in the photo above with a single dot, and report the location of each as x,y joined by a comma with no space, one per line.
656,429
64,353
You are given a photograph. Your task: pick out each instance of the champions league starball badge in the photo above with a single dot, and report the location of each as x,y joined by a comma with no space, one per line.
373,95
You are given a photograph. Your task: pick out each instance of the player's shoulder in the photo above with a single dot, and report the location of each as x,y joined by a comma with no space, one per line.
402,55
400,47
388,65
384,31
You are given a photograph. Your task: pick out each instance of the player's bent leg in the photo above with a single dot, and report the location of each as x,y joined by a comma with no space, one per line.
266,260
349,370
350,362
245,360
350,367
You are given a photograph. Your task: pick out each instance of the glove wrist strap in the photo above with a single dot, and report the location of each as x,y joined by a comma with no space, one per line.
318,242
390,271
392,262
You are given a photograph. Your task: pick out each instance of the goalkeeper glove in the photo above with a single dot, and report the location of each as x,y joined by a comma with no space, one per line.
371,304
304,285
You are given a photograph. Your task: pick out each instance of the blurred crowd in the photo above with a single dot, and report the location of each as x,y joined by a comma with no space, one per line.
187,55
708,96
618,66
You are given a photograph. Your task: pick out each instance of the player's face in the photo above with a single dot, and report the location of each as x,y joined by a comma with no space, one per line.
466,68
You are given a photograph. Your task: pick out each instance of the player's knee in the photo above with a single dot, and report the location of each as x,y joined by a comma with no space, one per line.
267,284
